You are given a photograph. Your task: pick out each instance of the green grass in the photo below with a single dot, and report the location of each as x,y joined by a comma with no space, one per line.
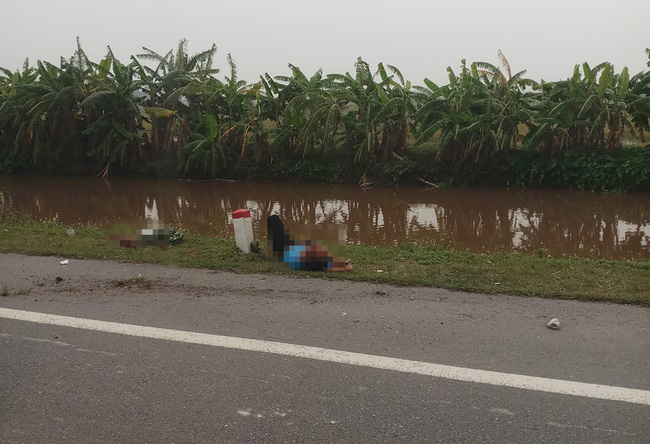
409,264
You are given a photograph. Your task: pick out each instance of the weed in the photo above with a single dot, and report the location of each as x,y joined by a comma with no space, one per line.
541,252
138,281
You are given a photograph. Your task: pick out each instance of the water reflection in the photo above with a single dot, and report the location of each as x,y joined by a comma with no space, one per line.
477,219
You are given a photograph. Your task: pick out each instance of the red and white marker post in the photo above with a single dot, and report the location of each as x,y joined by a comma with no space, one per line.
241,221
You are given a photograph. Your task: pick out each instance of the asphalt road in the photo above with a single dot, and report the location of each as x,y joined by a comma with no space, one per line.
61,385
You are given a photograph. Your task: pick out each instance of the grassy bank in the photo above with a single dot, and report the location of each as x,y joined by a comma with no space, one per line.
573,278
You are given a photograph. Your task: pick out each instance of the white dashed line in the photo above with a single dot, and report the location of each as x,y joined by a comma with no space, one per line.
48,341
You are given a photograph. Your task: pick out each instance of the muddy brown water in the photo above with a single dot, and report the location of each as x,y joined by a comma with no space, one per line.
564,223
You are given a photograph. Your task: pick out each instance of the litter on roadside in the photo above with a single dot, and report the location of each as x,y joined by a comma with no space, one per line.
141,234
554,324
64,262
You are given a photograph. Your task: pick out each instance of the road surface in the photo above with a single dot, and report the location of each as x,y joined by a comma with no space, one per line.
180,356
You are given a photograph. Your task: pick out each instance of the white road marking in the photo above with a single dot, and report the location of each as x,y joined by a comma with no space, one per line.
49,341
582,427
85,350
536,383
62,344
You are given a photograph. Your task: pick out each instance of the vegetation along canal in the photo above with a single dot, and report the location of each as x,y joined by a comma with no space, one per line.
543,221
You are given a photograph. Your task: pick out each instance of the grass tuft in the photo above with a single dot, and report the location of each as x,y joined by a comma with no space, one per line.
138,281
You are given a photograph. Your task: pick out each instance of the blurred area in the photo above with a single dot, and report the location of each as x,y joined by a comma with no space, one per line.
318,241
142,233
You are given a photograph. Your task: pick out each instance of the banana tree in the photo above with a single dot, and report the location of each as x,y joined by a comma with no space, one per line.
115,132
590,110
515,100
363,112
461,115
54,119
638,101
170,88
296,95
204,150
236,109
13,113
398,107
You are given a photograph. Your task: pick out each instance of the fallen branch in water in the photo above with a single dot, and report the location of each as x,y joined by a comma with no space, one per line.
364,181
419,179
426,182
104,173
209,180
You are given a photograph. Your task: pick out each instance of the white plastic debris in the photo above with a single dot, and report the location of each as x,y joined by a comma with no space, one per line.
64,262
70,232
554,324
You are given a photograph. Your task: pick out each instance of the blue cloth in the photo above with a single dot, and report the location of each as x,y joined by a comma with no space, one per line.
292,256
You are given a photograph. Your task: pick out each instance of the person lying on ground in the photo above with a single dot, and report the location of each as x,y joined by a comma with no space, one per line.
308,255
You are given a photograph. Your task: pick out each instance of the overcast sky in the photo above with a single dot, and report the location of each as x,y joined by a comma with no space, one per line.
421,38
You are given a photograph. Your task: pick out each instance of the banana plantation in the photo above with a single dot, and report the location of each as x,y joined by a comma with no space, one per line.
173,114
